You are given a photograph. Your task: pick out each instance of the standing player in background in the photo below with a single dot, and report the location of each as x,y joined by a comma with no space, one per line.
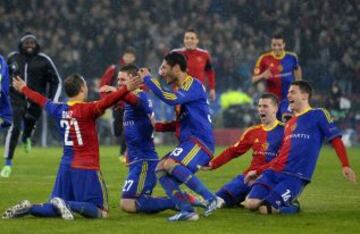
5,106
264,140
110,78
39,72
278,68
198,61
195,135
292,169
79,186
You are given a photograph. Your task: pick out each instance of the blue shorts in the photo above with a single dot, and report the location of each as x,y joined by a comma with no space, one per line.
81,185
277,188
284,111
190,155
235,191
141,179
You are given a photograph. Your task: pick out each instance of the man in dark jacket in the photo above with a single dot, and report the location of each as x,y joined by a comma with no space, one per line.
41,75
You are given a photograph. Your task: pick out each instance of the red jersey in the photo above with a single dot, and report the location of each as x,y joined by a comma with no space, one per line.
76,121
264,143
282,70
199,65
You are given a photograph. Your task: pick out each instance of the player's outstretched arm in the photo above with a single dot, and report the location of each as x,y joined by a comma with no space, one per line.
171,98
340,150
165,126
116,96
129,98
20,86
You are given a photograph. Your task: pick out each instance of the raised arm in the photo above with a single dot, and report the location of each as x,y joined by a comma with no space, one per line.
114,97
20,86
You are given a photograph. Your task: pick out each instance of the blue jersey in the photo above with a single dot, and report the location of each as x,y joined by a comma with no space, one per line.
303,138
139,130
194,116
5,106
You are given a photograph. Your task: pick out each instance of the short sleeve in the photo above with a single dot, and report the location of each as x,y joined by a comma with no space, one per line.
327,125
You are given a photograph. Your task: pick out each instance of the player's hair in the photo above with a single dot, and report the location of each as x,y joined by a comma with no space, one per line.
278,36
73,84
191,30
130,50
175,58
274,99
304,87
131,69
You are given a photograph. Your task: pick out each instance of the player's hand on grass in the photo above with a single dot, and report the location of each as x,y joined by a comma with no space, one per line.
107,89
18,83
133,83
349,174
144,72
250,177
204,168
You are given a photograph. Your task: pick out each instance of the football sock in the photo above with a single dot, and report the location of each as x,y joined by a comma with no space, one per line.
189,179
148,204
173,191
86,209
43,210
8,162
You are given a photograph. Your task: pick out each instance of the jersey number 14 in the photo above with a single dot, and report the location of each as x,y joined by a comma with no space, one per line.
67,123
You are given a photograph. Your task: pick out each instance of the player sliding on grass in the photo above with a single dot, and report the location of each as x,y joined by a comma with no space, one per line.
292,169
141,156
195,135
264,140
79,186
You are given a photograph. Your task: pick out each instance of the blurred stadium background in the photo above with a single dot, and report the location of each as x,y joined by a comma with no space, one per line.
86,36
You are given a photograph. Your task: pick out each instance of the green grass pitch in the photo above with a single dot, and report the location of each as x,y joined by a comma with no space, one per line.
329,204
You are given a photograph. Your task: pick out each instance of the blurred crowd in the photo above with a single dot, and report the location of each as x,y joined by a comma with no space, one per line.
87,35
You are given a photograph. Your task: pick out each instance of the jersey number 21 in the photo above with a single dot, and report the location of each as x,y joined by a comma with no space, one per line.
67,123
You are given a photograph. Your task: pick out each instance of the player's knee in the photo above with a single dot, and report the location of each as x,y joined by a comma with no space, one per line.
252,204
128,205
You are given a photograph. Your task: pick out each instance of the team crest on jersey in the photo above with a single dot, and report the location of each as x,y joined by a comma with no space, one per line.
256,140
293,127
265,146
199,58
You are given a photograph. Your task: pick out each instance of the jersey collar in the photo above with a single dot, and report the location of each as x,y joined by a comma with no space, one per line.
305,111
71,103
276,123
278,57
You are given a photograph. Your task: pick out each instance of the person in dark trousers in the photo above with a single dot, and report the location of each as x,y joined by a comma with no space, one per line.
40,74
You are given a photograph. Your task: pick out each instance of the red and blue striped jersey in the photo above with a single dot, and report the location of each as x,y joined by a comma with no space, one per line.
303,138
264,142
76,122
282,70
